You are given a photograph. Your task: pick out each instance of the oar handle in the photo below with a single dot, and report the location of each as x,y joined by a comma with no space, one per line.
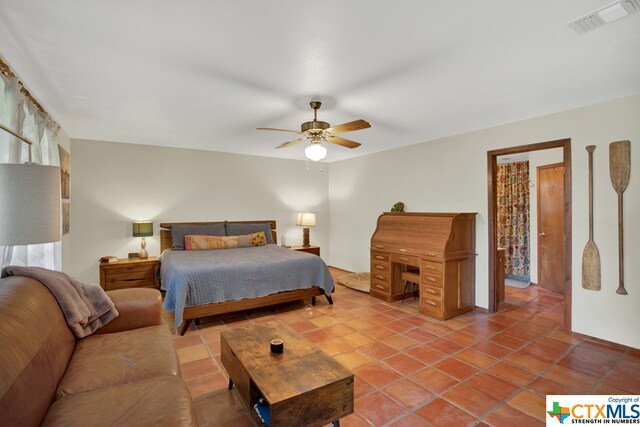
590,150
621,290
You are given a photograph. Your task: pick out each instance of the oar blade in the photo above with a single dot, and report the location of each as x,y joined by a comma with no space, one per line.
620,164
591,267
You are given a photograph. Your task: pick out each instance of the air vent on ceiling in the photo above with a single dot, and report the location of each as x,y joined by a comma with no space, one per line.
604,15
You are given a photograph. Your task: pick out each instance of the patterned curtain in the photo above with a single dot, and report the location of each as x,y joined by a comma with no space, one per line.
513,217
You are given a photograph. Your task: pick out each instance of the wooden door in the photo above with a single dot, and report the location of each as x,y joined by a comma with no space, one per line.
551,227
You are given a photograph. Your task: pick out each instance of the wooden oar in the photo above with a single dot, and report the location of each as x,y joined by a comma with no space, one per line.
619,168
591,255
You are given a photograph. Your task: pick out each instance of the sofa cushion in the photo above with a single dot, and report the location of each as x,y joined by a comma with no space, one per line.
159,401
138,308
35,348
106,360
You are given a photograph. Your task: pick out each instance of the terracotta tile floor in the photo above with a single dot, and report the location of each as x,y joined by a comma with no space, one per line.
411,370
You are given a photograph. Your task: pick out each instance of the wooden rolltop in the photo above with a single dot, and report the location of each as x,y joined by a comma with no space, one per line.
438,235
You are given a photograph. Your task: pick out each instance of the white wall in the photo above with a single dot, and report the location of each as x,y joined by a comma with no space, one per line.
113,184
451,175
537,159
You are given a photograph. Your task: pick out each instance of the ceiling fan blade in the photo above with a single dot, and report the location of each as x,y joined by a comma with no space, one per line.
295,141
280,130
349,127
344,142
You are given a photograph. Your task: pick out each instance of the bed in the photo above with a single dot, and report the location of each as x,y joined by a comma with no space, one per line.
205,283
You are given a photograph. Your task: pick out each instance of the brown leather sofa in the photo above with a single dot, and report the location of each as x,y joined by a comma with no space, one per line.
127,373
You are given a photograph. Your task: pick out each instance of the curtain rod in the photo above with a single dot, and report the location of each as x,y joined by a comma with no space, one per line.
7,71
20,137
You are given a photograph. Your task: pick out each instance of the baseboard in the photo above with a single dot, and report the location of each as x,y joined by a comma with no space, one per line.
605,342
340,269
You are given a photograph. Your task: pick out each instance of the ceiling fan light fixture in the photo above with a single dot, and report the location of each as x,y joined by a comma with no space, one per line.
315,152
317,131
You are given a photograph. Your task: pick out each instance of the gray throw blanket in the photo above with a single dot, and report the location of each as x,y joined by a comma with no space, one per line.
86,306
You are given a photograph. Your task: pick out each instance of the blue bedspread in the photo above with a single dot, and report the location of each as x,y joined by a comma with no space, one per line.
192,278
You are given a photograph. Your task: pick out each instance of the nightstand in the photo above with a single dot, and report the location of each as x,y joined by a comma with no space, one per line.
129,273
309,249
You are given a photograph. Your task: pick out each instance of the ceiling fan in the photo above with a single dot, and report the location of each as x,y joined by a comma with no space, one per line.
317,131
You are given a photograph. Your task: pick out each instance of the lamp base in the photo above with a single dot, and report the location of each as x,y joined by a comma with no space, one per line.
143,249
305,237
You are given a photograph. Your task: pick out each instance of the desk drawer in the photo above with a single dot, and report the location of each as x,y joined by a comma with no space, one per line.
405,259
381,287
379,256
380,267
431,280
380,277
431,292
434,254
431,267
395,247
381,282
431,303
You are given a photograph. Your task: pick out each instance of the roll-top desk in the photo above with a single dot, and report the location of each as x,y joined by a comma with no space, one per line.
441,245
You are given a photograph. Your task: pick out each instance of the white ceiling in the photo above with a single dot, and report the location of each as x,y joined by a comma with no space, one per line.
204,74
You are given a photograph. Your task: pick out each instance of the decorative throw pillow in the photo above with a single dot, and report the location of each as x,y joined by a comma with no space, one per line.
198,243
248,228
258,239
178,232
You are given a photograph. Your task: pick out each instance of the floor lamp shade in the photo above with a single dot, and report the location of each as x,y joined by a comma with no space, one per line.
29,204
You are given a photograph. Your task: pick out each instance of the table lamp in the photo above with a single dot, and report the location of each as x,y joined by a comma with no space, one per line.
29,204
143,229
306,219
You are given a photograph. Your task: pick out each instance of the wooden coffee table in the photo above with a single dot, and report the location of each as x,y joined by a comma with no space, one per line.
302,385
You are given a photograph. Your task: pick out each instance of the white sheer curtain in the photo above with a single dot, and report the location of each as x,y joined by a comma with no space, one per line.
20,115
10,97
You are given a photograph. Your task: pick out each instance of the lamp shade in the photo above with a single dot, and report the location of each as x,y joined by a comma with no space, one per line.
306,219
315,152
29,204
143,228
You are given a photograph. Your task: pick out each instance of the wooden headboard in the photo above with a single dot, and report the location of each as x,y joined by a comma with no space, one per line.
165,229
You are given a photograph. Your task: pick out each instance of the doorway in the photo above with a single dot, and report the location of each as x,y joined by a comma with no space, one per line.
492,156
513,192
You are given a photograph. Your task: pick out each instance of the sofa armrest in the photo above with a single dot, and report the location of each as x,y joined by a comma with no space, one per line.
138,308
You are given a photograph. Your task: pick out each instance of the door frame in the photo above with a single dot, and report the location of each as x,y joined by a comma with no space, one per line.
549,166
492,165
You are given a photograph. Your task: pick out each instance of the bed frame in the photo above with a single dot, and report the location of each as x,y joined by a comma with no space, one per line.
191,313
